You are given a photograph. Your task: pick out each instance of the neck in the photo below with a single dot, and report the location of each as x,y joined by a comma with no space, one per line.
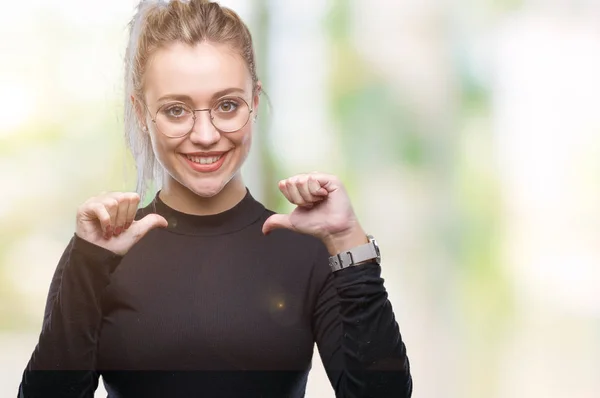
182,199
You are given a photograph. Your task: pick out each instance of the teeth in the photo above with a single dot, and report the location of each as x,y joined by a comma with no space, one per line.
203,159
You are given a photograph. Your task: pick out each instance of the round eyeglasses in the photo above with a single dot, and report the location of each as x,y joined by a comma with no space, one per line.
177,119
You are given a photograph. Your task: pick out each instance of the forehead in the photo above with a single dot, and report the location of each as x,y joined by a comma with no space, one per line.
197,71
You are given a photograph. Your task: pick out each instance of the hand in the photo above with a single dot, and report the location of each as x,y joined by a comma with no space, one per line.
108,221
324,211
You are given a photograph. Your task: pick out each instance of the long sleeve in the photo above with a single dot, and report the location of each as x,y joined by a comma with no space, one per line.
63,362
357,335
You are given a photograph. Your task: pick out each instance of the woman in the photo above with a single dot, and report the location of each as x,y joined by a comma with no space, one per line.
204,292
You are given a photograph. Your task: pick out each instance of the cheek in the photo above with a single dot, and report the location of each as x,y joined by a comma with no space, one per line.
162,146
246,140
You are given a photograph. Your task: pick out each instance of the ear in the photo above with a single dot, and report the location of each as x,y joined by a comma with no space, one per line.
256,98
139,112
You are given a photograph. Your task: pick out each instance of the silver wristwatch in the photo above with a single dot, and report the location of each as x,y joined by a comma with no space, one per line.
348,258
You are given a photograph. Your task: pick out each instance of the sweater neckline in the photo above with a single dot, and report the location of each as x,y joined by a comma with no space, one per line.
243,214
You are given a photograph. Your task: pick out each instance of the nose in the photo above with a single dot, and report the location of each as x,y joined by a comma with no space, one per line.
203,132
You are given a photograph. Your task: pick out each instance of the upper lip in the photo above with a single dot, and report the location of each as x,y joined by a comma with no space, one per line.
206,154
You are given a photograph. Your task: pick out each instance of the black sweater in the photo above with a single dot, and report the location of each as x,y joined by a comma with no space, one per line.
210,307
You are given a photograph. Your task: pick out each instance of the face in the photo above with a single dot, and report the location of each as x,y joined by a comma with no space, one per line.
205,76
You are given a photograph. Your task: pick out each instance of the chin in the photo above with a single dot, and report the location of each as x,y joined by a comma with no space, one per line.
208,187
206,190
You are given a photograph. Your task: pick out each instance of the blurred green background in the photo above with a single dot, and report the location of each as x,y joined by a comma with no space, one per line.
466,132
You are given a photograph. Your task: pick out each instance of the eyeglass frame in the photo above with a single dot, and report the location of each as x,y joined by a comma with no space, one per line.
211,117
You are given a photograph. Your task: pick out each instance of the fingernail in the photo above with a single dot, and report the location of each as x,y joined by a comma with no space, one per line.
109,230
118,230
127,225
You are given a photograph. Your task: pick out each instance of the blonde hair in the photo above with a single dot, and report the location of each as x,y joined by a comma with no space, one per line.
156,24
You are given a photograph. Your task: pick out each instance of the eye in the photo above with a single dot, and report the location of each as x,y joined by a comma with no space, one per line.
227,106
175,111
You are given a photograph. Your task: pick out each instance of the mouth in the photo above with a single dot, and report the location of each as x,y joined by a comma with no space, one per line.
203,159
205,162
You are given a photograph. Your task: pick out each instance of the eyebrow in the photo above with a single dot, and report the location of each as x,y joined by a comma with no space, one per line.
218,94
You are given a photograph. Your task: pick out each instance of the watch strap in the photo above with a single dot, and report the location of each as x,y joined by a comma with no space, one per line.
353,256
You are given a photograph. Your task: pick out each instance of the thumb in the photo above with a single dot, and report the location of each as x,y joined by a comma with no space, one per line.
142,226
277,221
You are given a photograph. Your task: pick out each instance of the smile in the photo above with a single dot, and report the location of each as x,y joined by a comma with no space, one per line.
205,164
204,159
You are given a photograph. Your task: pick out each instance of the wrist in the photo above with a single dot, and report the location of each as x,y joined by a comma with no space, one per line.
346,240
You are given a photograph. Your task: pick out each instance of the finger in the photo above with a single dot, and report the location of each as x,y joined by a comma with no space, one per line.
328,182
121,213
112,206
284,189
277,221
98,211
141,227
315,187
302,187
294,195
134,201
305,189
